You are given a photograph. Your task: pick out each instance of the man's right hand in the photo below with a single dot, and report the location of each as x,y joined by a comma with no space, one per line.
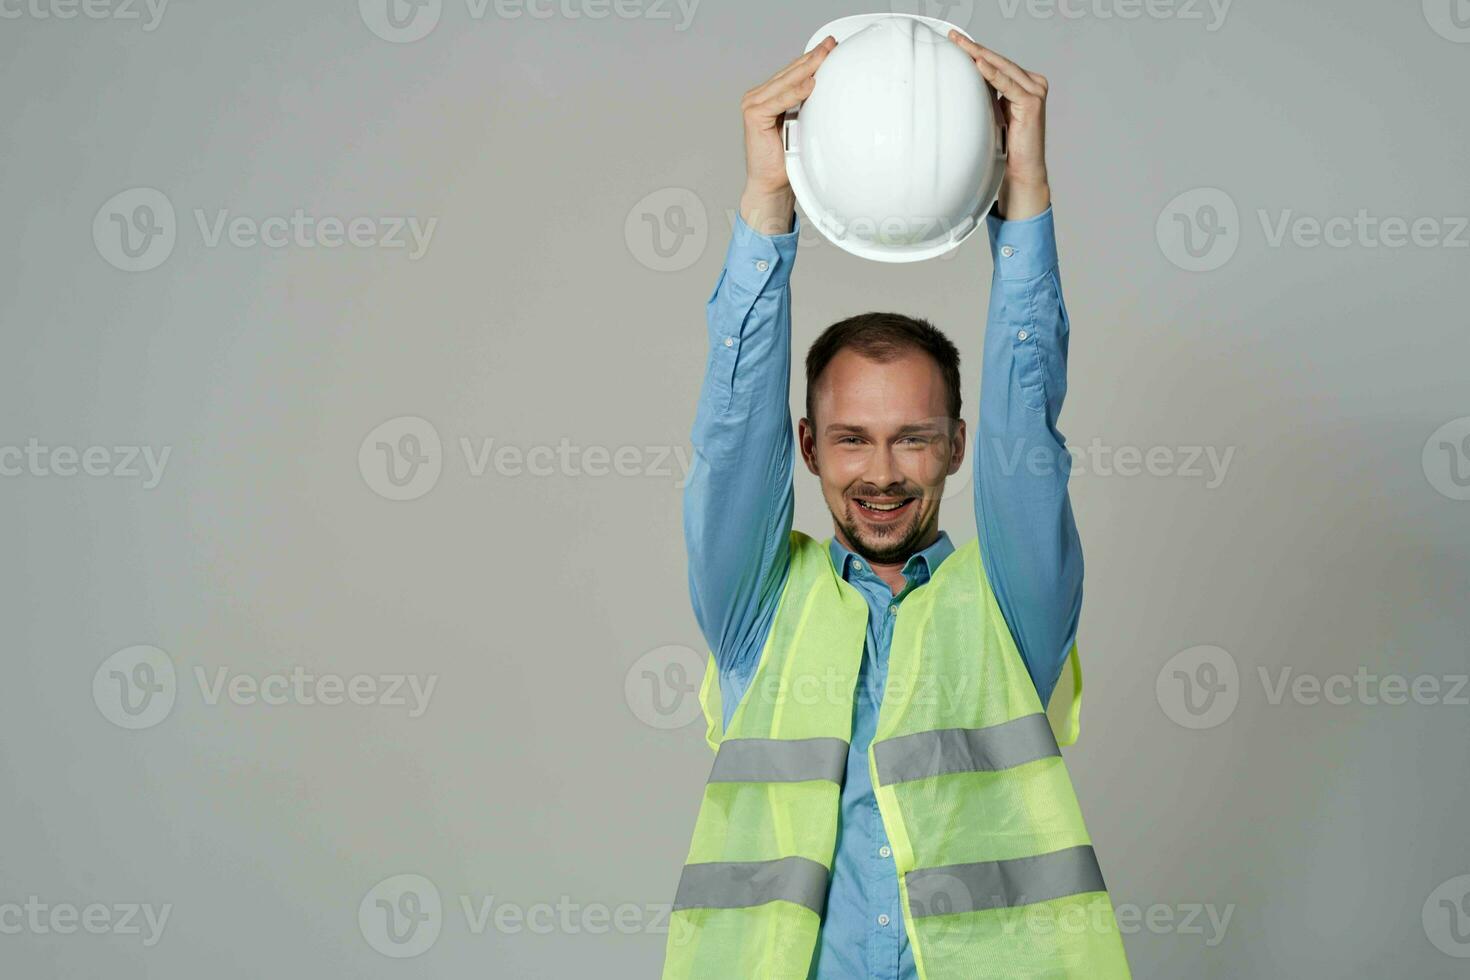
767,204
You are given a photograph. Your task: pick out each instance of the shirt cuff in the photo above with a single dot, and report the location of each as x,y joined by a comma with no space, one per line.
1022,249
755,261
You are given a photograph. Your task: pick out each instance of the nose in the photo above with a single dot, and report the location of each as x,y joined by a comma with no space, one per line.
882,469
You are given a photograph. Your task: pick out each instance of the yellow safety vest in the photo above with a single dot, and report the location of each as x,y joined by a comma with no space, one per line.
997,875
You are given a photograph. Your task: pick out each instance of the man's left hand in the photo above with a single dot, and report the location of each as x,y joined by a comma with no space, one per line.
1021,107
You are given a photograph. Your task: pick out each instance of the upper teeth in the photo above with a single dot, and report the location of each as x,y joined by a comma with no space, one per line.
876,506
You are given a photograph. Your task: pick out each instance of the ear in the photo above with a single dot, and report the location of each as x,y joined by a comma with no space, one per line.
957,447
806,439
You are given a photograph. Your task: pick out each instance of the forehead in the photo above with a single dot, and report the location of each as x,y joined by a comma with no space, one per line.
857,390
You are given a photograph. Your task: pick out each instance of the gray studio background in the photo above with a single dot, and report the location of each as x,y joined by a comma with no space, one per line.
572,169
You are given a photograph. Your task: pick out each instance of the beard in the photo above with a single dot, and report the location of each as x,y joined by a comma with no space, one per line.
887,545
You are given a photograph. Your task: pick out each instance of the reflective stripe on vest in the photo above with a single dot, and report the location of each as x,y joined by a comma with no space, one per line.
938,753
1004,884
994,863
740,884
771,760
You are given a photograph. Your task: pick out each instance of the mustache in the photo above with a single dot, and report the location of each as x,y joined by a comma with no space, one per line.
898,491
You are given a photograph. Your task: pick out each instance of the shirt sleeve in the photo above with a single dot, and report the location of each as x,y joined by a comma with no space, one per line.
738,501
1023,513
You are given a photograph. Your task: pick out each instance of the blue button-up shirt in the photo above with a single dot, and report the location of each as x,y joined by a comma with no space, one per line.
738,507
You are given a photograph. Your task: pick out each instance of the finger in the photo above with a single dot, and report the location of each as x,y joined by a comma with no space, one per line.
1034,84
808,62
786,97
1008,87
790,89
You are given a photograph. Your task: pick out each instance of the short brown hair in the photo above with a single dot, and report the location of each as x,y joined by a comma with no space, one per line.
884,337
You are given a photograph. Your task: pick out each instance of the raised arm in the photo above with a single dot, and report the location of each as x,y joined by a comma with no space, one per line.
738,502
1028,538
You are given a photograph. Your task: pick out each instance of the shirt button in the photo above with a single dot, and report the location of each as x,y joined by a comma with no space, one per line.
883,920
1022,335
885,851
858,565
1007,251
729,341
762,265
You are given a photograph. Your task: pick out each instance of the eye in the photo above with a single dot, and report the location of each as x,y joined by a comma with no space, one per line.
848,441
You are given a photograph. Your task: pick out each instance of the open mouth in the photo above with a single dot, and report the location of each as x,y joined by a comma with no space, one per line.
884,510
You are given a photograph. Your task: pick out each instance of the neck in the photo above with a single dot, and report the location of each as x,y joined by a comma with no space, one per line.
890,572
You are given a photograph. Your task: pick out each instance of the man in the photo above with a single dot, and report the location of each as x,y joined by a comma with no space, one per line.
882,433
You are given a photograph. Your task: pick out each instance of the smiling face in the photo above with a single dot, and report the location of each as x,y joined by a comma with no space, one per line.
882,442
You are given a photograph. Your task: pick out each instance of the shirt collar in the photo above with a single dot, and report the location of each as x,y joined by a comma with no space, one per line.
918,568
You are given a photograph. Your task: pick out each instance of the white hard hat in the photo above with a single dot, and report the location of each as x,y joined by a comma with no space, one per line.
897,153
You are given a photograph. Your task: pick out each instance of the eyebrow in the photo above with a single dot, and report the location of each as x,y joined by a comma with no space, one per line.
913,428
